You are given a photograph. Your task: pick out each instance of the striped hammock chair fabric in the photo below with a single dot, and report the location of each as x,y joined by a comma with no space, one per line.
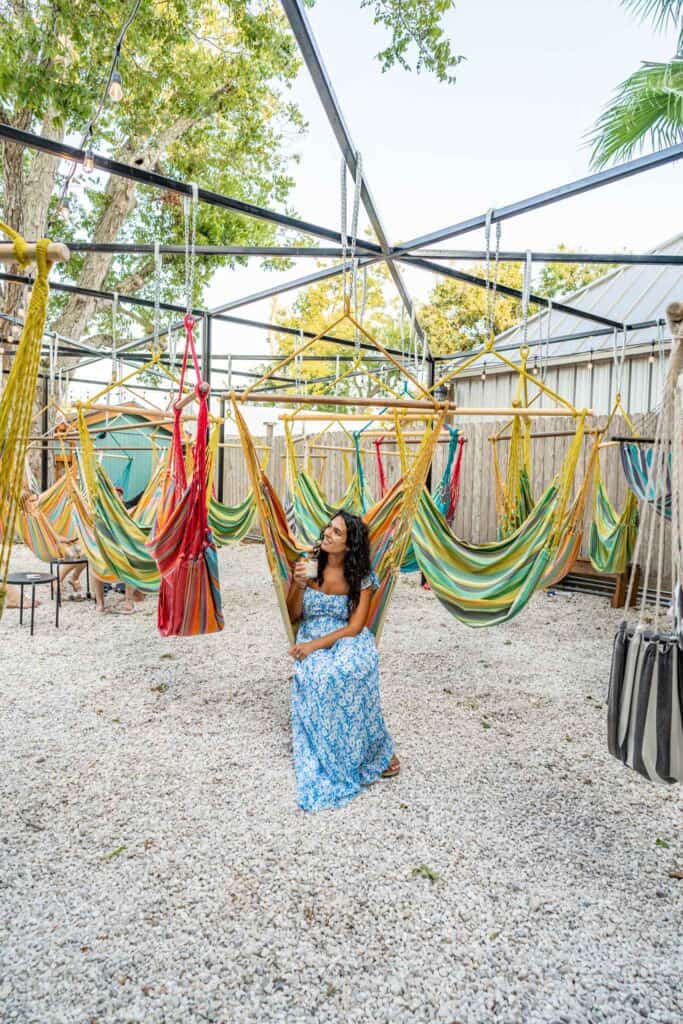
87,536
55,503
612,536
487,584
645,703
389,523
636,461
307,508
182,544
231,523
447,491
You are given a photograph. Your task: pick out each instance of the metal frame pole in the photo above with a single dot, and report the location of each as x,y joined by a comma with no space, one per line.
554,195
221,451
303,34
45,426
515,293
162,181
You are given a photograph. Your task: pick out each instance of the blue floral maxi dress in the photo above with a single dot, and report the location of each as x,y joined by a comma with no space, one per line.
339,737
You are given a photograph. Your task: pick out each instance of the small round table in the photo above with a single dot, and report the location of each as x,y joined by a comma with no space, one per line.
33,580
71,561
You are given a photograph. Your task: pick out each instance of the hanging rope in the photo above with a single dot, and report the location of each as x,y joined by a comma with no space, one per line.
16,405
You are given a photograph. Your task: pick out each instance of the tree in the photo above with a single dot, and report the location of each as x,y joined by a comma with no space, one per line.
316,308
205,99
648,106
415,26
456,317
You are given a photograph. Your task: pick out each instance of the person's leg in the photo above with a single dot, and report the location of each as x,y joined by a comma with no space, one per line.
74,572
98,591
132,597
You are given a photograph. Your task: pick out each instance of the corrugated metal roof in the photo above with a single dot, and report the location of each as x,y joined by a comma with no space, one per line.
629,294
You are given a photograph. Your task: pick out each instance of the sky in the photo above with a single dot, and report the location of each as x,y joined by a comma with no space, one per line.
535,78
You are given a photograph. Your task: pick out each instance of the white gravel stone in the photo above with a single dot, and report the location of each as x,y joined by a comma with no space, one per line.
154,866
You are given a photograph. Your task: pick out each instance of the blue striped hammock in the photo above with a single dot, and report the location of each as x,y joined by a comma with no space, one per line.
636,461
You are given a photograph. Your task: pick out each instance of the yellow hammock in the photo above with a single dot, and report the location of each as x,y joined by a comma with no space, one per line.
16,404
389,523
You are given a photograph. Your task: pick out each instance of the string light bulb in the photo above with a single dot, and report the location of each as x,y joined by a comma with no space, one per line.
116,86
483,372
64,207
590,362
651,357
534,368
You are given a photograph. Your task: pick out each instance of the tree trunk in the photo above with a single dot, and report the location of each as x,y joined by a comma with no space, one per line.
121,202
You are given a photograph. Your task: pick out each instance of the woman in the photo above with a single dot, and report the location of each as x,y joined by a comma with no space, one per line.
339,737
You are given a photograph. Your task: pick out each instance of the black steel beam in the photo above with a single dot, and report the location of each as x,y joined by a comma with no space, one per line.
162,181
553,195
288,286
542,342
515,293
303,34
325,252
618,258
278,329
142,249
94,293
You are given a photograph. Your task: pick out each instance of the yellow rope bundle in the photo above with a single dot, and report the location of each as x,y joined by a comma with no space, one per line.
16,405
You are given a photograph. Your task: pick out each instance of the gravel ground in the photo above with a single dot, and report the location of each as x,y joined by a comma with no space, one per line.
154,866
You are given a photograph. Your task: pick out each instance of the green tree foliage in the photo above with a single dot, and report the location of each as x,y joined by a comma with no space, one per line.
648,106
316,308
205,99
456,319
417,38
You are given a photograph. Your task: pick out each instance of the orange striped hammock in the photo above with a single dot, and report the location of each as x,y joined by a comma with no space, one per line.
389,524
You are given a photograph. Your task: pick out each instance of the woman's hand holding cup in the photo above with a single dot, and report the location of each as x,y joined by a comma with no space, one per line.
301,574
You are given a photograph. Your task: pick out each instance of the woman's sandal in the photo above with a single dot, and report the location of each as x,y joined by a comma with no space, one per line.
392,769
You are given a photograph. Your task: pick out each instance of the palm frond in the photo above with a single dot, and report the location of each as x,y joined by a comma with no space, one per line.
660,12
647,108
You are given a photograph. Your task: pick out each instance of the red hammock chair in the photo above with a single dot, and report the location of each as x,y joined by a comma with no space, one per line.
182,544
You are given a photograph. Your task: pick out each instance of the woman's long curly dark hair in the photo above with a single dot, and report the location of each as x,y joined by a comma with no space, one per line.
357,558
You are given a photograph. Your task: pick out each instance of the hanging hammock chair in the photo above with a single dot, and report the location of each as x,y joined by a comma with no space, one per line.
389,523
55,504
636,461
484,585
121,541
645,700
612,536
308,509
182,544
16,402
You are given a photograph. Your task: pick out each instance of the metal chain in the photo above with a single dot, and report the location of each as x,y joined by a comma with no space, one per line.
344,237
157,294
526,291
190,238
491,292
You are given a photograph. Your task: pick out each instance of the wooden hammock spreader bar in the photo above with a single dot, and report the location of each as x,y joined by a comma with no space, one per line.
204,389
346,315
57,252
312,455
419,415
340,448
97,429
